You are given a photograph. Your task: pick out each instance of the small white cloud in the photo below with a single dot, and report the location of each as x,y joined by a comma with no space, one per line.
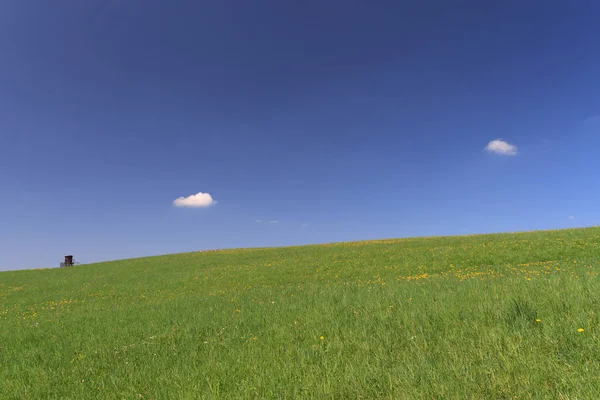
196,200
571,218
258,221
499,146
274,222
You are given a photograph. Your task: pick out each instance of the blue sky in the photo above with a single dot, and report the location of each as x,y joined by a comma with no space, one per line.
339,120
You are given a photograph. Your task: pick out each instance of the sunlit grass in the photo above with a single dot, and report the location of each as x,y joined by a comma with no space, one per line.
490,316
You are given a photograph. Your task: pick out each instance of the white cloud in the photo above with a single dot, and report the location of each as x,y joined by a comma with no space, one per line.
274,222
196,200
258,221
571,218
499,146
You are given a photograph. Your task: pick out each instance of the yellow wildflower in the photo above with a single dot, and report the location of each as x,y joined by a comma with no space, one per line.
580,330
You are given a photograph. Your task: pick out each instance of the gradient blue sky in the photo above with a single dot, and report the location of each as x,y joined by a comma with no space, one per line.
341,120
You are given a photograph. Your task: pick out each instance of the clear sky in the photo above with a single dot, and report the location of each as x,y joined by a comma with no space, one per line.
340,120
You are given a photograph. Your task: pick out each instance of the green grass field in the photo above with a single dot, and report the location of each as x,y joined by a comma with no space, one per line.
483,317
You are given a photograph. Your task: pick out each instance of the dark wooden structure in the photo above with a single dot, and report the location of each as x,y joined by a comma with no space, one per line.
69,262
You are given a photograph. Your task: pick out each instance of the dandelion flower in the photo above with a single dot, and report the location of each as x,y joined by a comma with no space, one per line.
580,330
322,337
538,320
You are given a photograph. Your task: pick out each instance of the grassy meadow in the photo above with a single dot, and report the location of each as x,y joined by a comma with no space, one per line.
500,316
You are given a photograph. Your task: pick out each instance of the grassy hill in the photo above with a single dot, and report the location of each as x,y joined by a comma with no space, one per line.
488,316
